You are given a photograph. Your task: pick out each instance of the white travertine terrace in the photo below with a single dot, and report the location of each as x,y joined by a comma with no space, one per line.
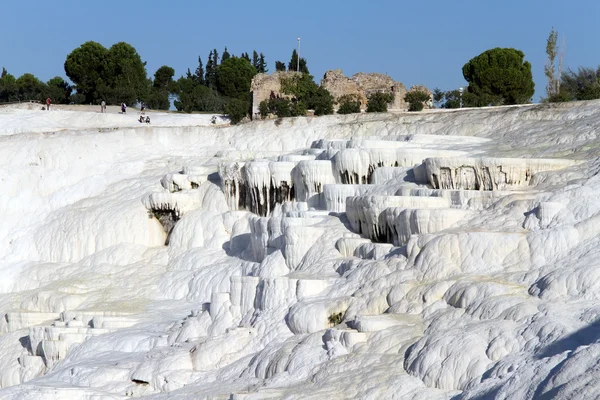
487,173
435,255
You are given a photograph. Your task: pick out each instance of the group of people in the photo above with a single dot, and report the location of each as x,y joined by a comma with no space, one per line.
123,110
142,120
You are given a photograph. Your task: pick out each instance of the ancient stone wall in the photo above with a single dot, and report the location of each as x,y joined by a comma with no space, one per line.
263,85
363,84
360,84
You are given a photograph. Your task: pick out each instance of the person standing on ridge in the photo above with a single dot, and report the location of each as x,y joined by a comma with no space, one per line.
48,101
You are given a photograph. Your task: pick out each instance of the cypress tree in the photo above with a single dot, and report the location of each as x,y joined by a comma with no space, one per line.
293,64
262,64
215,58
199,75
225,55
255,60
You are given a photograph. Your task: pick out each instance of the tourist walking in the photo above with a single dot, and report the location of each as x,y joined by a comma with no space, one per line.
102,107
48,101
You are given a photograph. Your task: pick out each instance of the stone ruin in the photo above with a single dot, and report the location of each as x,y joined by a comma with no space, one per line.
264,85
361,84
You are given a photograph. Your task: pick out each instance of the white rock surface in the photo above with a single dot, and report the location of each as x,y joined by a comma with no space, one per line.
271,285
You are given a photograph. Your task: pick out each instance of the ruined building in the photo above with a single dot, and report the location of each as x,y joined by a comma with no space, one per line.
361,84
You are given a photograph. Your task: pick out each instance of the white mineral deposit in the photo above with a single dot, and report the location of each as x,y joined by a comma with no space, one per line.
433,255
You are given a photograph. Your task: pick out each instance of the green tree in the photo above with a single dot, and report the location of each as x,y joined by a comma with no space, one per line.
237,109
279,66
163,78
86,66
552,87
500,76
199,73
321,101
191,96
416,99
293,64
163,84
210,78
255,60
125,74
349,104
59,90
8,88
225,55
581,85
115,75
234,77
378,102
31,88
262,64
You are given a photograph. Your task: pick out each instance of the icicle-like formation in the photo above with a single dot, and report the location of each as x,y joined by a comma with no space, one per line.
258,186
296,157
309,177
364,212
257,177
233,184
351,166
402,223
356,166
282,186
335,196
487,173
337,144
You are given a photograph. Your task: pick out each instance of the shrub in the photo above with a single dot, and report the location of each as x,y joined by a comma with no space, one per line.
349,104
581,85
321,101
237,109
415,99
263,108
336,318
378,102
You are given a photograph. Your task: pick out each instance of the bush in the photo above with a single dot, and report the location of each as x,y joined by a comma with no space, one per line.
304,90
378,102
237,109
349,104
581,85
263,108
336,318
321,101
415,99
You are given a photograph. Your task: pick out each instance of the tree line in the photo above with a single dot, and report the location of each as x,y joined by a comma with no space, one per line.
499,76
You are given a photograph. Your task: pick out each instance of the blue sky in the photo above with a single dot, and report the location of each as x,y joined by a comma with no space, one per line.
415,42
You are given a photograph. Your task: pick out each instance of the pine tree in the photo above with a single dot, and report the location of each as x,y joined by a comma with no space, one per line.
246,56
279,66
215,59
189,74
210,75
255,60
199,75
225,55
262,64
293,64
4,72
